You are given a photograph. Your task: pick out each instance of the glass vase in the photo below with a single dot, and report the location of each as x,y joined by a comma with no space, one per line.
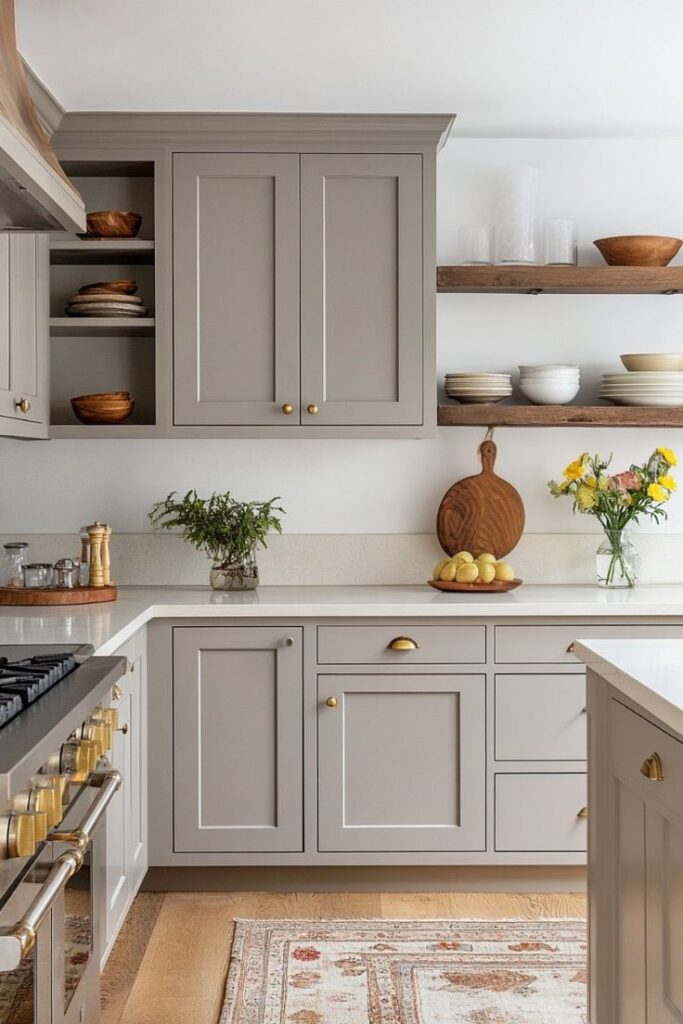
234,575
617,560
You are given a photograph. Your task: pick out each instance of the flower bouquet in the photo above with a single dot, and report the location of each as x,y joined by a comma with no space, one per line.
617,499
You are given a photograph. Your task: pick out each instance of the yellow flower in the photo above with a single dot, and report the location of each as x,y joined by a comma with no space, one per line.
585,498
575,469
668,456
590,481
657,493
668,482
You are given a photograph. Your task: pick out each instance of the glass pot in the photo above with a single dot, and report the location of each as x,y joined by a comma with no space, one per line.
234,575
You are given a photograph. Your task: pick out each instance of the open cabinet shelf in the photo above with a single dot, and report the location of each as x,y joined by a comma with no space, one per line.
111,251
535,280
559,416
101,326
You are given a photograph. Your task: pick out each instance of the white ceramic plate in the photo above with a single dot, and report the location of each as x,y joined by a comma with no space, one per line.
659,400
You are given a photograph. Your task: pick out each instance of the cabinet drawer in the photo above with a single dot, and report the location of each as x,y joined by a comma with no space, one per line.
371,645
538,813
633,740
548,644
540,717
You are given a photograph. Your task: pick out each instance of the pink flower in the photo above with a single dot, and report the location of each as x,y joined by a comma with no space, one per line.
627,481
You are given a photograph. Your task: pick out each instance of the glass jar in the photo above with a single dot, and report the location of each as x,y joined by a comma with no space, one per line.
65,574
240,575
617,560
14,562
516,220
38,575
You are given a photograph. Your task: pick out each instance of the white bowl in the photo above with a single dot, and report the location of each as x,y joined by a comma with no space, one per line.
653,361
543,392
549,368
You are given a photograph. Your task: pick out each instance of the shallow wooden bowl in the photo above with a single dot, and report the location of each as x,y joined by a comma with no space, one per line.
638,250
122,287
103,415
102,395
497,587
113,224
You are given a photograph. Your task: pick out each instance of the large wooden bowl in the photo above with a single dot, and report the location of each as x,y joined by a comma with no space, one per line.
638,250
111,413
121,287
113,224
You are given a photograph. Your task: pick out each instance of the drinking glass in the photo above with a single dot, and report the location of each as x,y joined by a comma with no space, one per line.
560,246
516,221
474,245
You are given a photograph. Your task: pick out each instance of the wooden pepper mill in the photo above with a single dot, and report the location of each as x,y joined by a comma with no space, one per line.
96,534
106,557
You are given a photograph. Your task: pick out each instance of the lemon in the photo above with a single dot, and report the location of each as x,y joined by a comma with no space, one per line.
486,557
448,572
487,573
464,556
438,567
467,572
504,572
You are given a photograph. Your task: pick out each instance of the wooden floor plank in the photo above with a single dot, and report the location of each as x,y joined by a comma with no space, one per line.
124,960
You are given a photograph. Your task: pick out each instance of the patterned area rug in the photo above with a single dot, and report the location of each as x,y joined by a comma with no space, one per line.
407,972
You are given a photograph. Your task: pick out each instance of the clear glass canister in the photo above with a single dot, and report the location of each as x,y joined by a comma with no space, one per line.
65,574
38,575
13,563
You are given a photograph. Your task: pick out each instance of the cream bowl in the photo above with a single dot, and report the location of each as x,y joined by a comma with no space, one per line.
649,361
545,392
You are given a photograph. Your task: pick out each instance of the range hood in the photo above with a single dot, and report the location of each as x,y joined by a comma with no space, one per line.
35,193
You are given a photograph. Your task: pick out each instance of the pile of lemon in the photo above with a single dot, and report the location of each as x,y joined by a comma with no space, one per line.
465,568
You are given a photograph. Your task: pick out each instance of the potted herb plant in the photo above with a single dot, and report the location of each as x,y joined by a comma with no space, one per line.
229,531
616,500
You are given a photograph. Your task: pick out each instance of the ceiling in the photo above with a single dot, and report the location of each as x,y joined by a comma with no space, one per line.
506,67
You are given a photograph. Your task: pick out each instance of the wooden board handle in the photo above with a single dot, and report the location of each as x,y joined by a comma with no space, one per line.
487,452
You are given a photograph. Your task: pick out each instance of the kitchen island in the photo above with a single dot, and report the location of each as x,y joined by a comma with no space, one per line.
635,705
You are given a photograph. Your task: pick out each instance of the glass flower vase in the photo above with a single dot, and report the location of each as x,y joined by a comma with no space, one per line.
617,560
235,575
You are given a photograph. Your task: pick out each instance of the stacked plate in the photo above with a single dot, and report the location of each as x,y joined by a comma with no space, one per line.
107,299
550,384
480,388
647,387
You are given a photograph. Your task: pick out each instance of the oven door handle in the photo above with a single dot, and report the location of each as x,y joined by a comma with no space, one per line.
108,783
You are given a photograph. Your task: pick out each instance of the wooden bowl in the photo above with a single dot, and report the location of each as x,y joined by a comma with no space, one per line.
122,287
113,224
111,413
102,396
496,587
638,250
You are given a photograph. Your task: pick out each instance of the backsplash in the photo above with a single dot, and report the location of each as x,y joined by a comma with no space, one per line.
143,559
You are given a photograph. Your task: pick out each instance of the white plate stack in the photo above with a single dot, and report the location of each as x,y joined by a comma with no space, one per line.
647,387
550,384
479,388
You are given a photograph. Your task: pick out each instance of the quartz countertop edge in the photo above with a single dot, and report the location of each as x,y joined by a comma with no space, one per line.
109,625
648,672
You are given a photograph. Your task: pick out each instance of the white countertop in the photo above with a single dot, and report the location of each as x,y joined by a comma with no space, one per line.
646,671
107,626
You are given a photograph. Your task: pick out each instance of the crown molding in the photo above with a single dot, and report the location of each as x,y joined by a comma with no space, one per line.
49,109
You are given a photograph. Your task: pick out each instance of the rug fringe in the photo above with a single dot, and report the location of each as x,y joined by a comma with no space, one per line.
412,920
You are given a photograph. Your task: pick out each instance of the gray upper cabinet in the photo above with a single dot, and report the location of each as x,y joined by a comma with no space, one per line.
361,289
236,288
24,335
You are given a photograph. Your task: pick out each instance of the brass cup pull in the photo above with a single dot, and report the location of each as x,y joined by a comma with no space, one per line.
331,702
403,643
287,409
312,409
570,649
23,405
582,813
651,768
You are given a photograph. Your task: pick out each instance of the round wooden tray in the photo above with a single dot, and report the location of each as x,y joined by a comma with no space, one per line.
497,587
27,596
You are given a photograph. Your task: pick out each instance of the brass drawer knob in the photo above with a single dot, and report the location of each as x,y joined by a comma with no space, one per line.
23,405
651,768
582,813
331,702
287,409
403,643
312,409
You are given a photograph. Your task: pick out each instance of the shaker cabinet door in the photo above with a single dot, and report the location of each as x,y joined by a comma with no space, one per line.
401,763
236,288
237,739
361,289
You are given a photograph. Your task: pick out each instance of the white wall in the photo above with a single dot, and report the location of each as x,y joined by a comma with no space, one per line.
395,486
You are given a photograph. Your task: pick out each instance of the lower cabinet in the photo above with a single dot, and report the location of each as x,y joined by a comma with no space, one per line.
237,739
126,837
401,762
540,812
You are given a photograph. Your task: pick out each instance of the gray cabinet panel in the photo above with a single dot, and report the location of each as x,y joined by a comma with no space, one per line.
664,885
540,644
371,645
540,717
361,289
237,706
539,812
401,762
236,288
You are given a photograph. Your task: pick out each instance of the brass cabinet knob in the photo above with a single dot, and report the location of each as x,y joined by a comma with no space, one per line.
651,768
331,702
23,405
403,643
312,409
287,409
582,813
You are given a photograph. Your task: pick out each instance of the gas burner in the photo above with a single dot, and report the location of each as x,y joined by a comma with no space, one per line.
24,680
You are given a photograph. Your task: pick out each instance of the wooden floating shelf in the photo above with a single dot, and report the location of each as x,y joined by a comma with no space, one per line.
100,326
104,430
559,416
561,280
95,250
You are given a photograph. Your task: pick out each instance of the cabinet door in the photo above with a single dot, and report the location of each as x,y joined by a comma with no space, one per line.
401,762
361,289
24,333
664,915
117,885
236,288
237,739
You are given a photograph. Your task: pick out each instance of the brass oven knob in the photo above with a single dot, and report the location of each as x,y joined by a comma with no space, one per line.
21,835
40,825
23,405
110,715
287,409
46,799
100,730
38,808
331,702
92,753
312,409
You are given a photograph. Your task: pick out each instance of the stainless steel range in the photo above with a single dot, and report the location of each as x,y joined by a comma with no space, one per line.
57,718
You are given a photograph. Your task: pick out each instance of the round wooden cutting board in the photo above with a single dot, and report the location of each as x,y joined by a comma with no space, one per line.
481,513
